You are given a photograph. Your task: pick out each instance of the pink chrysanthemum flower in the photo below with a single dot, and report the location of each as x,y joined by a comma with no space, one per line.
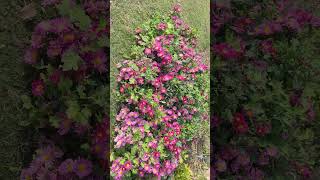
50,2
38,87
99,61
26,174
162,26
83,167
54,49
31,56
65,124
177,8
55,76
60,25
66,167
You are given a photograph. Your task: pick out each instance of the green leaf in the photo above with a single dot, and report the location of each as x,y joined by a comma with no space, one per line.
71,61
147,127
24,123
54,121
103,42
132,81
64,85
73,109
85,147
84,115
75,13
64,7
79,17
26,102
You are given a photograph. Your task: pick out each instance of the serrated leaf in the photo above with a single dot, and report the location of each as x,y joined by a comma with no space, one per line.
65,84
54,121
73,109
79,17
26,102
85,147
70,60
24,123
103,42
75,13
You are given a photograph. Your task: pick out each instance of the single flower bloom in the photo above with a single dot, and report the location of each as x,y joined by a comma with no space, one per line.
54,49
55,76
64,125
26,174
38,87
267,47
31,56
66,167
99,61
147,51
226,51
127,165
272,151
177,8
239,124
162,26
82,167
263,128
50,2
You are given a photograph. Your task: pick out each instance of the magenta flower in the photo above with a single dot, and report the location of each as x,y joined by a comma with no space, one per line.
162,26
36,40
50,2
226,51
31,56
99,61
59,25
82,167
128,165
167,77
54,49
26,174
147,51
268,28
177,8
55,76
38,87
64,125
241,24
272,151
221,165
66,167
267,47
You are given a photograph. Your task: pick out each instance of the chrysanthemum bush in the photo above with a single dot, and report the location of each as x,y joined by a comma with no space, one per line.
68,105
265,91
162,98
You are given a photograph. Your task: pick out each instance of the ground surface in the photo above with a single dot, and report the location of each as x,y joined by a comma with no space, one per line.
15,141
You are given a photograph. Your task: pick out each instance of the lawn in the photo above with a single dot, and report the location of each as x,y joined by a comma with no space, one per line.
13,138
16,141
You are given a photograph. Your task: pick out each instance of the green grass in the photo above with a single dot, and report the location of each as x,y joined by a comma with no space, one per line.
16,142
11,87
126,16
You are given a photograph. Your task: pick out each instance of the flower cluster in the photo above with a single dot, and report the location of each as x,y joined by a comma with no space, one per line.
156,100
66,56
48,164
263,121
